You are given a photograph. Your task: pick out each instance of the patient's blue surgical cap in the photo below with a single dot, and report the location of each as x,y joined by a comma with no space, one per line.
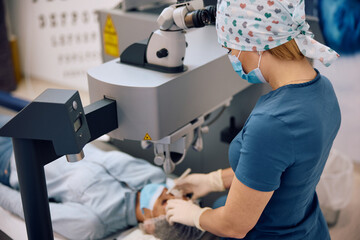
260,25
149,194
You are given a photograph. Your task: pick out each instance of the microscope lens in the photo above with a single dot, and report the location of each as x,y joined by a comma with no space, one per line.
197,19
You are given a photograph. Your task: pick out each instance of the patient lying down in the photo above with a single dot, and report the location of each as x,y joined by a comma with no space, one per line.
104,193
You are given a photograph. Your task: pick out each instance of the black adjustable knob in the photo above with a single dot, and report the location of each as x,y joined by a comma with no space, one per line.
162,53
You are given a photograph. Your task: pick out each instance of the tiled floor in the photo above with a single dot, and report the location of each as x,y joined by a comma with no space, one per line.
348,224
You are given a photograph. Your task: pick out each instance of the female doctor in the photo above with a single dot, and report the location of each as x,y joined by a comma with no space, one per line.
277,158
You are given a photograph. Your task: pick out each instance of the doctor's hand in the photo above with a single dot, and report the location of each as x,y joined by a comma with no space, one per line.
184,212
200,184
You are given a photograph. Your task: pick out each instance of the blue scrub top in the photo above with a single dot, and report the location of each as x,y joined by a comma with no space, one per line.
283,147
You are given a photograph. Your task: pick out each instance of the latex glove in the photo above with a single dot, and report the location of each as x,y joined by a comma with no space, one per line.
184,212
201,184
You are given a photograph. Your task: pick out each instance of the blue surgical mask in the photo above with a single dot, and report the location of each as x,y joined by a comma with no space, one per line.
255,76
149,194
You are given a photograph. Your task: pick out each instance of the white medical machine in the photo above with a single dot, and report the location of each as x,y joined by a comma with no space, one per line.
165,86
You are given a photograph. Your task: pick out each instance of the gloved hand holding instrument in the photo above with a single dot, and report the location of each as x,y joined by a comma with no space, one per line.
200,184
187,212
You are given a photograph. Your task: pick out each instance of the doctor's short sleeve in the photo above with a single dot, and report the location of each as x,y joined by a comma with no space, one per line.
266,150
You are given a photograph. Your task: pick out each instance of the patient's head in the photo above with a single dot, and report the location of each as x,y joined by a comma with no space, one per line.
152,202
161,229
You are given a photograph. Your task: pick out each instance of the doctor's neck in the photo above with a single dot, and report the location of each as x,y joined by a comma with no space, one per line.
279,72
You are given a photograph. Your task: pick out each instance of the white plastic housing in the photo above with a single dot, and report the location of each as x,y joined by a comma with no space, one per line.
158,103
173,41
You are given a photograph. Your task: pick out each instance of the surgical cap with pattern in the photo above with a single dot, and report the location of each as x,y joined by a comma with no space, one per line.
260,25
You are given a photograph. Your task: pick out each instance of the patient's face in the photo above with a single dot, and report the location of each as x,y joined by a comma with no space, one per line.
160,204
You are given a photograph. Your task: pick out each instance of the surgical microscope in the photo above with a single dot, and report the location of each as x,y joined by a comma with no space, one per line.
155,94
152,94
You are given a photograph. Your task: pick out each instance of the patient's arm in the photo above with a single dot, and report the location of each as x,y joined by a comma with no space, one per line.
10,200
71,220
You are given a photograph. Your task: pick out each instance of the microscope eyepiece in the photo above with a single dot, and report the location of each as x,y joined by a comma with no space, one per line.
212,13
197,18
200,18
